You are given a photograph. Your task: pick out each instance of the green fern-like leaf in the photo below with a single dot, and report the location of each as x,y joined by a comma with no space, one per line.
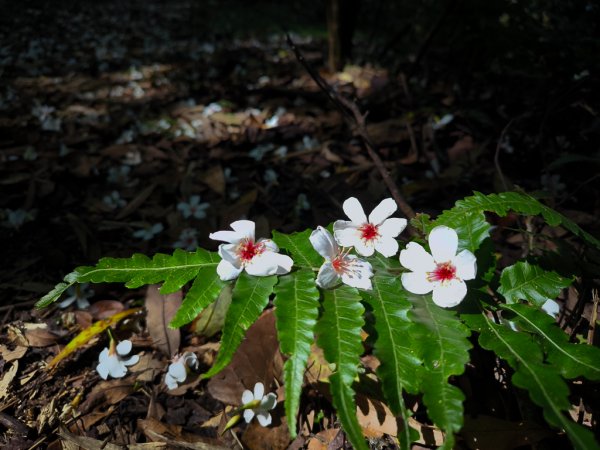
204,290
250,297
400,365
299,247
297,309
58,290
502,203
545,386
524,281
572,360
444,345
338,332
174,270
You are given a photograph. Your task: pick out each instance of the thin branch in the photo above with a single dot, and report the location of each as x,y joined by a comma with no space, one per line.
353,115
497,155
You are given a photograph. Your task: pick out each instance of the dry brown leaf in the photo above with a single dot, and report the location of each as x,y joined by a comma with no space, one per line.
160,310
138,201
87,443
274,437
7,379
103,309
318,369
147,367
107,393
214,179
11,355
375,418
38,335
322,439
252,362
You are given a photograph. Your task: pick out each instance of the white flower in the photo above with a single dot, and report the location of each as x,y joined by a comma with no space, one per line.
258,404
114,200
180,368
242,252
188,239
259,152
441,123
442,272
339,264
112,361
79,293
193,208
149,232
376,233
211,109
270,177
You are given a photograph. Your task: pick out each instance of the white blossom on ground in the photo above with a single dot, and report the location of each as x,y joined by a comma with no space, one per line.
270,177
243,252
440,123
193,208
443,271
188,239
78,293
45,114
259,152
273,121
148,232
339,265
112,361
281,151
114,200
302,203
258,404
211,108
378,232
180,368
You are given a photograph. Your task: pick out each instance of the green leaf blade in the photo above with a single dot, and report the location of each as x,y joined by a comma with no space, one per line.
250,297
471,227
524,281
58,290
297,309
300,248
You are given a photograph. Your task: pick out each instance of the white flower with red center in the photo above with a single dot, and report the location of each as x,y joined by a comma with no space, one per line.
443,271
339,265
367,235
243,252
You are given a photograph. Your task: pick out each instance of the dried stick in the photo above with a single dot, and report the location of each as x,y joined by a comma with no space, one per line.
353,115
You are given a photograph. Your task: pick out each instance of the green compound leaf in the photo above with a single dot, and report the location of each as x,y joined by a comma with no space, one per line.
545,386
471,227
297,309
250,297
502,203
204,290
444,345
400,365
299,247
58,290
572,360
338,332
174,270
524,281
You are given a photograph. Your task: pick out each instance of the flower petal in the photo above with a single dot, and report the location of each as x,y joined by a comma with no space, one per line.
450,293
228,253
170,382
263,265
177,371
392,227
356,281
284,263
346,235
124,347
269,244
67,301
323,243
443,242
226,236
244,227
385,209
264,418
102,370
268,402
416,282
103,356
228,271
466,265
248,415
191,360
364,248
259,391
354,211
359,274
387,246
132,361
247,397
415,258
327,276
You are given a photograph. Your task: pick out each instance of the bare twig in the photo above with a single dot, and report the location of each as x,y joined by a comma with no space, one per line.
352,114
497,155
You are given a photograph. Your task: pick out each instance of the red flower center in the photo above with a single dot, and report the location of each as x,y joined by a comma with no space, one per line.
369,232
443,272
248,249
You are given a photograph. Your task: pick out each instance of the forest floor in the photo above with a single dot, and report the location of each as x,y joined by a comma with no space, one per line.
123,132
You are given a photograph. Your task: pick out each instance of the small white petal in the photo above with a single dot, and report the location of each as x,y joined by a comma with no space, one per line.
269,245
284,264
82,303
248,415
387,246
385,209
416,282
450,293
132,361
551,308
263,265
247,397
124,347
327,276
259,391
392,227
443,242
415,258
323,243
228,253
466,265
354,211
67,301
357,281
228,271
359,276
226,236
364,248
170,382
102,370
268,402
177,371
103,355
244,227
264,419
191,360
347,236
116,369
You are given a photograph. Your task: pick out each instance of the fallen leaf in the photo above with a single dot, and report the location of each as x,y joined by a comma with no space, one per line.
38,335
11,355
274,437
138,201
375,418
214,179
103,309
322,439
160,310
147,367
7,378
211,319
